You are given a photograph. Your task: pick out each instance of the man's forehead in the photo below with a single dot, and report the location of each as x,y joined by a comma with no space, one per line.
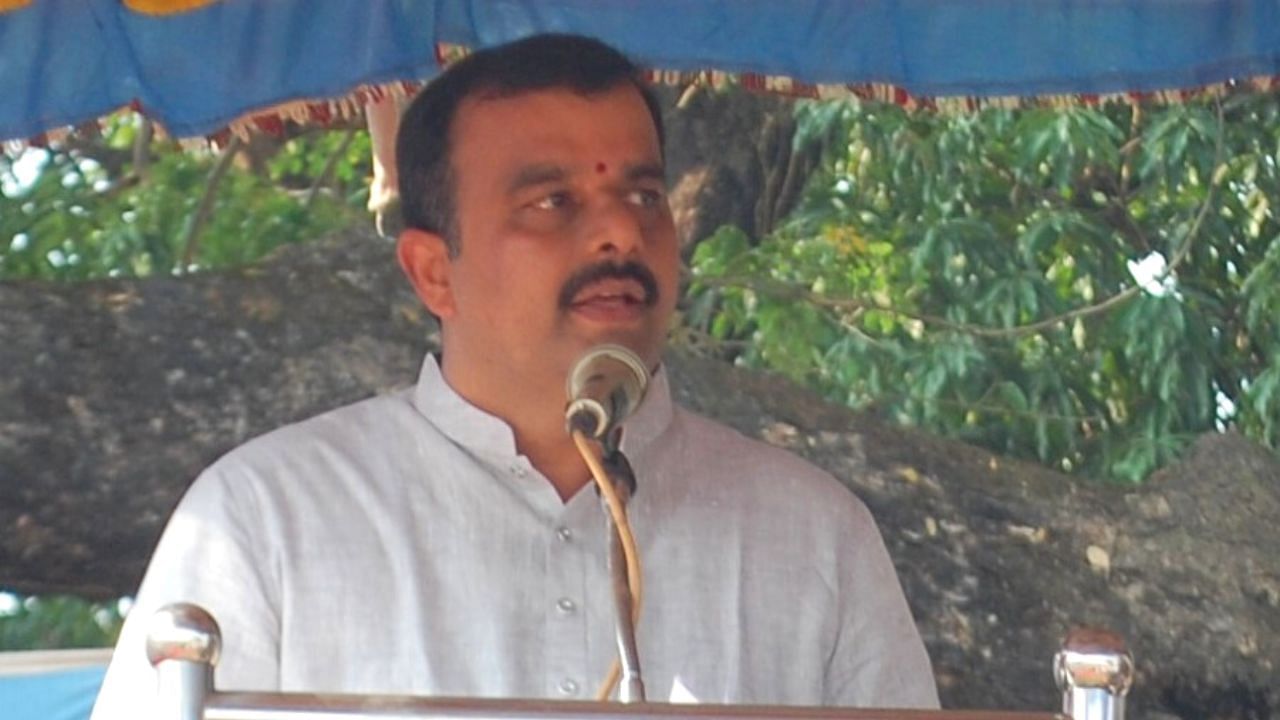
559,131
528,104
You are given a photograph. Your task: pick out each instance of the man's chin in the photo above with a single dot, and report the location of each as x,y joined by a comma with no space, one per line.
634,339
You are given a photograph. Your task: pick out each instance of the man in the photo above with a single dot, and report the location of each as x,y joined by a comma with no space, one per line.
440,540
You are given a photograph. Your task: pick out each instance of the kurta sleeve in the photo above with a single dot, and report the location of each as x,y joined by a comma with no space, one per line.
213,553
879,659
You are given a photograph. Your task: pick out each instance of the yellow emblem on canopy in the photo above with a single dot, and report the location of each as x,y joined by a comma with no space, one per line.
163,7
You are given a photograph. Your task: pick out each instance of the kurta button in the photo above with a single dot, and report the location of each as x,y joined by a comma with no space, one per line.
564,533
518,470
565,605
568,687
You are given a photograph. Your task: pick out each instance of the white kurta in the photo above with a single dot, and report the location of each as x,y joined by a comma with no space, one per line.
400,545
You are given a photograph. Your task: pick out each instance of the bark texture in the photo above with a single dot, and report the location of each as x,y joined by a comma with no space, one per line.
750,184
118,391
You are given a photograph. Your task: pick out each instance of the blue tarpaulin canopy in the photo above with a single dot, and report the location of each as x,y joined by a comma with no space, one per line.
50,684
198,65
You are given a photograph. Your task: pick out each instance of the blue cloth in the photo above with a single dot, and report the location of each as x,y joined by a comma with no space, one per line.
57,695
67,61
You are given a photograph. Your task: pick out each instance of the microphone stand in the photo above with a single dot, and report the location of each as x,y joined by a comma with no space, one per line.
631,686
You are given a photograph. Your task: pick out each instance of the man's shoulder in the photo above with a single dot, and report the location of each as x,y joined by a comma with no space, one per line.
769,472
343,435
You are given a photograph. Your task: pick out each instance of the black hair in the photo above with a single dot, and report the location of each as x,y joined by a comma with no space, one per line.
584,65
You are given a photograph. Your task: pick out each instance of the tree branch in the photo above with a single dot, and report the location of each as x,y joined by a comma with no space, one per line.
985,407
329,164
142,149
191,244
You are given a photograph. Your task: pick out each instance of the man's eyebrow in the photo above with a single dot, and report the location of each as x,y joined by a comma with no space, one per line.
647,171
534,175
548,173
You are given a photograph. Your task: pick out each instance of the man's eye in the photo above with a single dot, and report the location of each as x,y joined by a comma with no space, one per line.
554,201
646,197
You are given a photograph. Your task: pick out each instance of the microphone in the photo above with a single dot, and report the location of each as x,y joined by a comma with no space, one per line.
604,387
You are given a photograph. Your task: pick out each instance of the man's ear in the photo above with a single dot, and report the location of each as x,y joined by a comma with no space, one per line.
424,257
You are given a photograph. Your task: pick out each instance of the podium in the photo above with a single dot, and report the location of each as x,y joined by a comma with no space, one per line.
1093,670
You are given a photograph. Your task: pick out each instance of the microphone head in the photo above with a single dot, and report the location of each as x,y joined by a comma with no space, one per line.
604,387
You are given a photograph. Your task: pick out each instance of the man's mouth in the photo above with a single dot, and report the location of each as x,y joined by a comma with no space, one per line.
610,291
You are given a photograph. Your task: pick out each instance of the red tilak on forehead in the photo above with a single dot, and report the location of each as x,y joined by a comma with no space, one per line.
601,167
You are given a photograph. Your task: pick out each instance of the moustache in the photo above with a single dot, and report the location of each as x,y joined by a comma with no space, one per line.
606,270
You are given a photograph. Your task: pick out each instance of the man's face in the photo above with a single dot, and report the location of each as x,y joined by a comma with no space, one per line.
566,239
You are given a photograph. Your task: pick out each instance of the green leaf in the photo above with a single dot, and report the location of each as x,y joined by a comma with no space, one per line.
1011,395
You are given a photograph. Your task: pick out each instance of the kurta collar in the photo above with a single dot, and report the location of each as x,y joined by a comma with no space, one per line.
490,436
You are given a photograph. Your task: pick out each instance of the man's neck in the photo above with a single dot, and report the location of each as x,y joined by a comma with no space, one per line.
556,457
536,420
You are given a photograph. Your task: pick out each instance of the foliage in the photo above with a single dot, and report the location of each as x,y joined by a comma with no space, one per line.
990,277
57,621
90,212
343,156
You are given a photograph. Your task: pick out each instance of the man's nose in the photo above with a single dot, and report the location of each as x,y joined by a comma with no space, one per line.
615,228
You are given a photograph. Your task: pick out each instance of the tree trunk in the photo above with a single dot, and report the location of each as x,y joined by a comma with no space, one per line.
752,181
118,392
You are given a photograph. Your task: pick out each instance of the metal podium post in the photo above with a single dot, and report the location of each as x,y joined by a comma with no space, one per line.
183,644
1094,672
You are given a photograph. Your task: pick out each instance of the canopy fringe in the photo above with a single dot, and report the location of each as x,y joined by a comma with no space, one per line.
275,118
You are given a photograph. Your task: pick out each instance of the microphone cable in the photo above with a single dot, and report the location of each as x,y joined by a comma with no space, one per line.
592,455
